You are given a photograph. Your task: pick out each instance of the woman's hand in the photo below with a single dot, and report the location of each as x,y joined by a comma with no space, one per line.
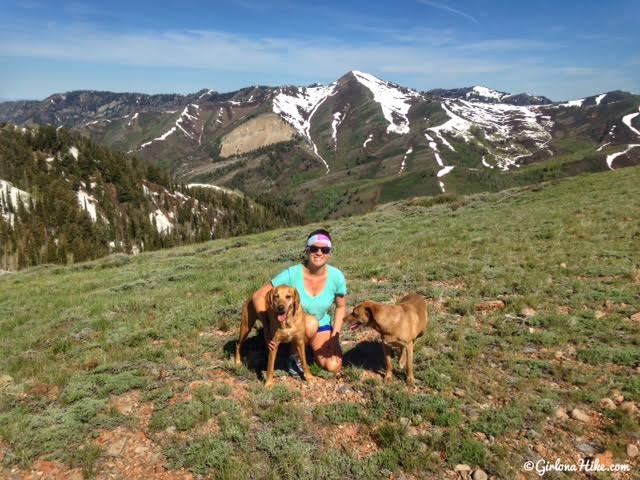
340,313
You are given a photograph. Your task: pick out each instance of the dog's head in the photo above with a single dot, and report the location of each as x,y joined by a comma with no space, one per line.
284,301
362,314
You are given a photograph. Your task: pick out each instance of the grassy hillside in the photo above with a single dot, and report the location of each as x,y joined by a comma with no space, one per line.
121,366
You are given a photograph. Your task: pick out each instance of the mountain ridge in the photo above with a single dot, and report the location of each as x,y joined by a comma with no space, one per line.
352,143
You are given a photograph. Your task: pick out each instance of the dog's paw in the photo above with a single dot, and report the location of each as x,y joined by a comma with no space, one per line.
388,378
309,377
268,384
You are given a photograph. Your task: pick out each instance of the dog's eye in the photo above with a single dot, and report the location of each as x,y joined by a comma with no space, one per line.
288,297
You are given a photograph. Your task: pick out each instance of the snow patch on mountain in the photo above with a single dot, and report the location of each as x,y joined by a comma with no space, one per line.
627,121
74,152
484,162
10,198
184,116
573,103
211,186
298,105
613,156
163,224
444,171
404,159
132,119
88,203
599,98
369,138
337,120
485,92
394,101
208,92
432,143
158,139
500,123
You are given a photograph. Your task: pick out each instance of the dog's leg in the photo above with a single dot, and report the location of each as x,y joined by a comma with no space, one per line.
410,380
246,324
388,377
271,363
302,353
403,358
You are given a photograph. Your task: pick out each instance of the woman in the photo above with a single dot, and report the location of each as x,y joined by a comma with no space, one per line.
319,285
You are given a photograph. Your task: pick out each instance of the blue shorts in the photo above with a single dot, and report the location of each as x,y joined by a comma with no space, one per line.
325,328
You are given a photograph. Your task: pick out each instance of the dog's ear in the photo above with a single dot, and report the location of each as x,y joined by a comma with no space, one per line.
296,301
269,298
371,310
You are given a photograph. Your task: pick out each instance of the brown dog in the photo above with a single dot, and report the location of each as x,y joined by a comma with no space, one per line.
284,322
399,325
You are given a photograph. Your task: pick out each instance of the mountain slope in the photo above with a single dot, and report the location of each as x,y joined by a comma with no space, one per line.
120,366
65,199
345,147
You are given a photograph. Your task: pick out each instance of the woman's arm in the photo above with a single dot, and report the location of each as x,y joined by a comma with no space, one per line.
338,316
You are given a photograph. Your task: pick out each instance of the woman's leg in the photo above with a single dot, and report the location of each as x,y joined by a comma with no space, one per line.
310,328
327,351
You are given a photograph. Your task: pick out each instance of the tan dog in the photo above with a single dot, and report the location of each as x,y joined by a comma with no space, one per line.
284,322
399,325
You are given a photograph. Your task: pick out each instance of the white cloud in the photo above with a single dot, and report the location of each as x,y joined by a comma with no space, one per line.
417,61
576,71
508,44
228,52
446,8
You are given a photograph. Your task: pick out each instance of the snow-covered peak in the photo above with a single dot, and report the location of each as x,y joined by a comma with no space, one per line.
395,101
485,92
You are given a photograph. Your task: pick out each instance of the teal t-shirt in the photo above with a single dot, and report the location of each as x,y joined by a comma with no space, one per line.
319,305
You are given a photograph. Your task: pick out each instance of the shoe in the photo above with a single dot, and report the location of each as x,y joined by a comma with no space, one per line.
294,366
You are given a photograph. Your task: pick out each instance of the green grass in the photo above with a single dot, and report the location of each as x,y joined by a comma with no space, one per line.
159,321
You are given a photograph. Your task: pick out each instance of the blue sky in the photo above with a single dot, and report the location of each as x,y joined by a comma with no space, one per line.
561,49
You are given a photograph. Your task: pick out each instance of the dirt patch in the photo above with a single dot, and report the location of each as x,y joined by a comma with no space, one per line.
322,391
130,404
44,470
132,455
218,376
489,306
256,133
44,391
438,305
351,437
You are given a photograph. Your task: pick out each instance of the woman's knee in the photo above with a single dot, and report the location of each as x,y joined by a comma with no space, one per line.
311,328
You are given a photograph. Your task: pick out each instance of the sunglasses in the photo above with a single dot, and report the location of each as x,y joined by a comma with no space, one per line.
314,249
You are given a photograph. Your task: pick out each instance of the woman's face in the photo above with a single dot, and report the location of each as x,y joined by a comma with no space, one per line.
317,259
